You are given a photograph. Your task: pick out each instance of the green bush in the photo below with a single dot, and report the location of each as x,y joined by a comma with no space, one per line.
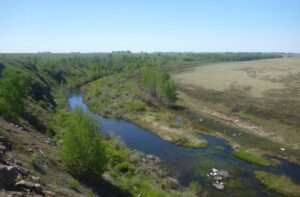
74,184
136,106
13,90
82,149
158,84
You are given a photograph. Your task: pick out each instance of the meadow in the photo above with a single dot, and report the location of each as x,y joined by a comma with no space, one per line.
260,96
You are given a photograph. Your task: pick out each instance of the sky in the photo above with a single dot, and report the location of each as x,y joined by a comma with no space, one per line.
149,26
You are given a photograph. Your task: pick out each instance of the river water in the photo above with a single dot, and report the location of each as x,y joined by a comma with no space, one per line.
188,164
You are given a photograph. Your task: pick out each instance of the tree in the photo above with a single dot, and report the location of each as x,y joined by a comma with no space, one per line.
158,84
169,92
82,149
13,90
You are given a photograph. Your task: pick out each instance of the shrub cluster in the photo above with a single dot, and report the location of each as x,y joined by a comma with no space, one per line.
82,149
158,84
13,90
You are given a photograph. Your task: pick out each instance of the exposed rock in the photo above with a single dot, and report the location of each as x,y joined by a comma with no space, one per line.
26,185
172,183
12,194
223,173
152,158
49,193
8,176
218,178
282,149
219,186
5,143
35,179
2,150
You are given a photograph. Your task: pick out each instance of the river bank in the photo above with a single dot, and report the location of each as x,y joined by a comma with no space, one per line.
118,96
189,165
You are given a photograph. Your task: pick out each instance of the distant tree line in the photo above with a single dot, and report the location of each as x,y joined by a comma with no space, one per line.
48,71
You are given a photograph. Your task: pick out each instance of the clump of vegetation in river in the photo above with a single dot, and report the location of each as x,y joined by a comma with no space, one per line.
82,150
278,183
251,157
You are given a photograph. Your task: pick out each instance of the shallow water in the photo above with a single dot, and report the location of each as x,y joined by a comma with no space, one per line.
191,164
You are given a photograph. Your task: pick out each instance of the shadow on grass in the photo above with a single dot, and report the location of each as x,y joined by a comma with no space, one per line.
35,122
104,188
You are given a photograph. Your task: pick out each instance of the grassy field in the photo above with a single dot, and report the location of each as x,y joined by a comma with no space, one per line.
261,96
254,77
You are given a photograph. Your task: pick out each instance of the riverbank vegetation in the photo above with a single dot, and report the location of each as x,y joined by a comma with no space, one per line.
251,157
82,150
87,155
278,183
121,96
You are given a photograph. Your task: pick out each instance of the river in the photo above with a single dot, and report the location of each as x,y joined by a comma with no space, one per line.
188,164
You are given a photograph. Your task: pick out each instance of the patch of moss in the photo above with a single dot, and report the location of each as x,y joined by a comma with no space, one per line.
277,183
251,157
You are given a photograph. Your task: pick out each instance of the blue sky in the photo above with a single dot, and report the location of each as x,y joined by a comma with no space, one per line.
156,25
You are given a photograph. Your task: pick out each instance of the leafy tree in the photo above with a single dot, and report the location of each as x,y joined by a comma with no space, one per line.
158,84
150,81
13,90
169,91
82,150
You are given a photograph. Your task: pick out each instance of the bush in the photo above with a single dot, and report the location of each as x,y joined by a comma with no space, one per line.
158,84
13,90
82,148
136,106
74,184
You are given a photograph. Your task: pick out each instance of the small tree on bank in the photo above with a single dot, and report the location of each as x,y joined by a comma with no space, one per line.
158,84
82,150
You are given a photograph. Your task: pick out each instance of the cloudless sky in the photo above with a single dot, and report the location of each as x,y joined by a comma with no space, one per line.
153,25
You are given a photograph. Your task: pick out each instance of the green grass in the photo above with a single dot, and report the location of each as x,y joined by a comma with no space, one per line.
280,184
251,157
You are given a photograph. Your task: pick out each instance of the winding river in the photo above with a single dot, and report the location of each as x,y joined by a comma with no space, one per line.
188,164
